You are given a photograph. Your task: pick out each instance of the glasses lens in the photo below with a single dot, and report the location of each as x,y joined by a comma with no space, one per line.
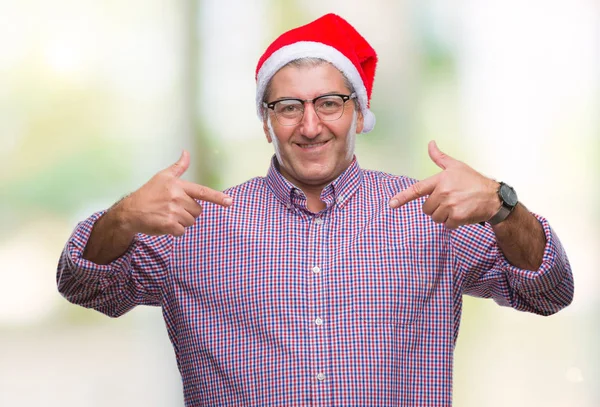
329,107
289,111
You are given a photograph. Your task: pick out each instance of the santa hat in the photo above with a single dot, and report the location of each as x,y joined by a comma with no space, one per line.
330,38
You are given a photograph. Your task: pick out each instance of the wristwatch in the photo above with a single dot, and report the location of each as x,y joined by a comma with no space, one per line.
508,198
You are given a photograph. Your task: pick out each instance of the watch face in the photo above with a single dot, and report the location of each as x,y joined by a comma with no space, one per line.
508,194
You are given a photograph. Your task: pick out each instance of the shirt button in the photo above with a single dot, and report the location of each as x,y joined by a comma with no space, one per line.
318,221
319,321
321,377
316,269
339,199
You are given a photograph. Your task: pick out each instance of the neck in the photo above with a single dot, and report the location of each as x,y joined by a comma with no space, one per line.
313,199
312,192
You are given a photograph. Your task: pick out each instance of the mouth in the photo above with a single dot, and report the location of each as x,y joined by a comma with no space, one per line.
311,146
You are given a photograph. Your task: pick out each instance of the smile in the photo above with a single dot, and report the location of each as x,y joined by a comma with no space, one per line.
311,145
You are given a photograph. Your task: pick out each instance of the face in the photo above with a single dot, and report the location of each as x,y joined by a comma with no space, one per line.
312,153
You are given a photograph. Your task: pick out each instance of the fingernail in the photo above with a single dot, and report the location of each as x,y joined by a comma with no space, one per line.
394,203
227,201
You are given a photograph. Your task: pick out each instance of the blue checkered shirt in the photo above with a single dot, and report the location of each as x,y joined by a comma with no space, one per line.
268,304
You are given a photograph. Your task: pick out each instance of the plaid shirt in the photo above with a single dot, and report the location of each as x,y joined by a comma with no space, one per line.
268,304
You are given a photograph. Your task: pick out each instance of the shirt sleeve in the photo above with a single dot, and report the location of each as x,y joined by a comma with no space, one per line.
483,271
135,278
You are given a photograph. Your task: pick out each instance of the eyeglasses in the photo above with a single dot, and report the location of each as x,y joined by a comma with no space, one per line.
290,112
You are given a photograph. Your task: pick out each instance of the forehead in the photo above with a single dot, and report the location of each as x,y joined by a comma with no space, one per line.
307,82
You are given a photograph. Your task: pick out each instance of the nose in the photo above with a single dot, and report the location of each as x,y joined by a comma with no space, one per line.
311,125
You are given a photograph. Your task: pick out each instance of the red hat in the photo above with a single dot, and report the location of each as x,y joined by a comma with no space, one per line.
330,38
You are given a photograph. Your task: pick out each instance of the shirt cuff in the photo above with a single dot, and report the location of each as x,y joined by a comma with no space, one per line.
552,271
87,272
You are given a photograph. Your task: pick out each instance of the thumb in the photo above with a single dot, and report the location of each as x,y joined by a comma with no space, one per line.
440,159
181,165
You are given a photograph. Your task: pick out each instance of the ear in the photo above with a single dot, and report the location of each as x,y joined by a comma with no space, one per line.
360,122
266,130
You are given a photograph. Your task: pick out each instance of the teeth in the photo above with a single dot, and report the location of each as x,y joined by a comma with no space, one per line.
311,145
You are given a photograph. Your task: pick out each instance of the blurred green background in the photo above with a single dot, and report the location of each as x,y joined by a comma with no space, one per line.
98,95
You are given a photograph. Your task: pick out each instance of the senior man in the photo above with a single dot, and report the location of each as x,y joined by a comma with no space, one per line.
321,283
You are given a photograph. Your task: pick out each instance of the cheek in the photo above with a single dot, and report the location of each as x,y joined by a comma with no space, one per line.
280,136
268,129
274,135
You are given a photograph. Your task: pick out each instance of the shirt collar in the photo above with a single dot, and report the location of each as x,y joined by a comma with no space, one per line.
339,191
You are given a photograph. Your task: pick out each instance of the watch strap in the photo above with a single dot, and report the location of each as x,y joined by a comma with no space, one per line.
502,214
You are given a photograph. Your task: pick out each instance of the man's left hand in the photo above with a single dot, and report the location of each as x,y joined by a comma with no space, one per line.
458,195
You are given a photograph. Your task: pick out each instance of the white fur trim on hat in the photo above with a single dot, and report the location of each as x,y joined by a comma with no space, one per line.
304,49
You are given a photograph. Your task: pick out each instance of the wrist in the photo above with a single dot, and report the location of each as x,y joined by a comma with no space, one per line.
110,237
508,201
514,214
120,218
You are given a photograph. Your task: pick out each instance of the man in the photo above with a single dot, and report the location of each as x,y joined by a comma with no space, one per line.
321,283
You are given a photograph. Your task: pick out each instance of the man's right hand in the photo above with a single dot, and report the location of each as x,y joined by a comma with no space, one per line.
165,205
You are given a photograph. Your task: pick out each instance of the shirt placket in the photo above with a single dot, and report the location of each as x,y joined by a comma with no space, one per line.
317,317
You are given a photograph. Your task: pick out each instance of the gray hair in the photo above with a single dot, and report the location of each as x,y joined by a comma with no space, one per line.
309,62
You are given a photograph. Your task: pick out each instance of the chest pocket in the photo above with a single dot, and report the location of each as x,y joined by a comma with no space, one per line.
391,283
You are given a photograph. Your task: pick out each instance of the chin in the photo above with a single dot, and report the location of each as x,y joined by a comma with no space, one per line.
315,169
319,177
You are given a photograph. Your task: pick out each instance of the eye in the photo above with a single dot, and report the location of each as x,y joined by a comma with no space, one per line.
288,107
330,103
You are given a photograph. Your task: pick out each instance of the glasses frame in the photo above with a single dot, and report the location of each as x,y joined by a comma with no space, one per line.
345,98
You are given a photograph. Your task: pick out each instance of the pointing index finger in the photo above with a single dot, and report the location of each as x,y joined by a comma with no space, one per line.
203,193
415,191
